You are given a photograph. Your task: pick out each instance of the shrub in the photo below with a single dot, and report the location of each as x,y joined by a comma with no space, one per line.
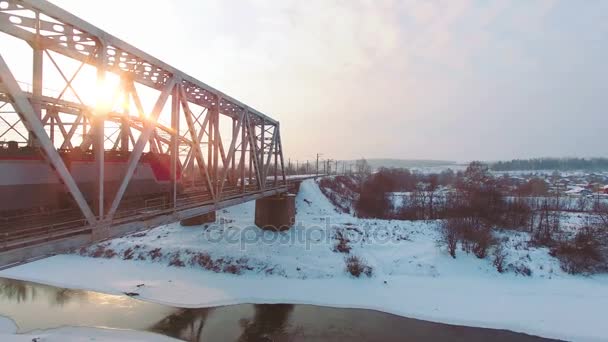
474,236
176,261
520,269
127,254
155,254
582,254
356,267
499,258
342,245
109,253
341,191
449,237
232,268
98,252
482,240
205,261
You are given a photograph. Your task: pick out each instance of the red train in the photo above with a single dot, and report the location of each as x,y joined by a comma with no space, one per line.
28,182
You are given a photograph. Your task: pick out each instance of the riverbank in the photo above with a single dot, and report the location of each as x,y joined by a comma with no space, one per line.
567,309
411,276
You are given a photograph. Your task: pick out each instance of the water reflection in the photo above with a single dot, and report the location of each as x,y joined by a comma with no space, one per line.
246,322
16,290
186,324
34,306
269,323
20,291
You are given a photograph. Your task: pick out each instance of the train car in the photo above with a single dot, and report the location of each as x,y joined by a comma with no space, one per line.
28,182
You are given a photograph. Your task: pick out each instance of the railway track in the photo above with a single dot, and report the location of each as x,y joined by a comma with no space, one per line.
31,230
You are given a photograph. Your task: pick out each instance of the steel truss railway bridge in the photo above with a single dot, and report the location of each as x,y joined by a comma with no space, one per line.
220,151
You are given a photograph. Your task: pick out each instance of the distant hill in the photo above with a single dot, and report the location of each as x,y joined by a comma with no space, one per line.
377,163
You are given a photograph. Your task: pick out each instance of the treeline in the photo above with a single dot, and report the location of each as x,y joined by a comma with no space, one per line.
375,199
474,191
561,164
475,203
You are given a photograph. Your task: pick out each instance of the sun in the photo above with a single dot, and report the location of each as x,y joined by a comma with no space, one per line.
108,95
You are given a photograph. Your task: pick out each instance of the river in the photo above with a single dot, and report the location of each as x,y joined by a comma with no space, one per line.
35,306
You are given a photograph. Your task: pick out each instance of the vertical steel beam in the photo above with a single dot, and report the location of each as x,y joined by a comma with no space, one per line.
255,155
216,146
280,146
52,128
38,61
262,150
243,150
174,148
97,135
210,143
124,128
231,176
33,124
268,158
276,159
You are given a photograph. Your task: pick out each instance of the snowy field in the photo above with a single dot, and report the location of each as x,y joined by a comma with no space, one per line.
233,262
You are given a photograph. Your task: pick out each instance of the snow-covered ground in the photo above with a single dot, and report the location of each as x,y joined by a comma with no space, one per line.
234,262
76,334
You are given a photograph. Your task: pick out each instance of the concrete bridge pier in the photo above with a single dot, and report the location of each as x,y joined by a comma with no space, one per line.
199,220
276,213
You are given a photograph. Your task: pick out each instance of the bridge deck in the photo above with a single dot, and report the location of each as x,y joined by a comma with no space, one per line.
67,229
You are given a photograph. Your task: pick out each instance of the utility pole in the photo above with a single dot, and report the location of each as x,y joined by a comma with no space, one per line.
336,169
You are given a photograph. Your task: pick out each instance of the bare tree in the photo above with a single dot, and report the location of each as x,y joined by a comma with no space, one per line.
432,189
362,167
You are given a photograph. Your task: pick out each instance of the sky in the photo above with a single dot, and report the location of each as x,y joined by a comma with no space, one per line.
451,80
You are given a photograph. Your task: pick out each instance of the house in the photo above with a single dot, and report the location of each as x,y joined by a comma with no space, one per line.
579,191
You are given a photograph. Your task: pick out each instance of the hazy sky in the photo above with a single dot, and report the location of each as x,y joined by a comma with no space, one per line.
451,79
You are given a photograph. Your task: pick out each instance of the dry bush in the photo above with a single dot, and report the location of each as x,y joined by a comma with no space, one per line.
98,252
520,269
232,269
342,245
582,254
449,237
176,261
357,266
205,261
127,254
109,253
155,254
500,256
340,190
474,237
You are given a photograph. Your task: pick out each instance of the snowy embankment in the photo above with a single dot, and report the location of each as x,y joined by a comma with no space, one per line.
8,333
233,262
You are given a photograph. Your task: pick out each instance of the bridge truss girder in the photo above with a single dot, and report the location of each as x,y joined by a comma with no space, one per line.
193,139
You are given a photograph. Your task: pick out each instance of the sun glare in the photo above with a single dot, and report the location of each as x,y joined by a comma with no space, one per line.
108,96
